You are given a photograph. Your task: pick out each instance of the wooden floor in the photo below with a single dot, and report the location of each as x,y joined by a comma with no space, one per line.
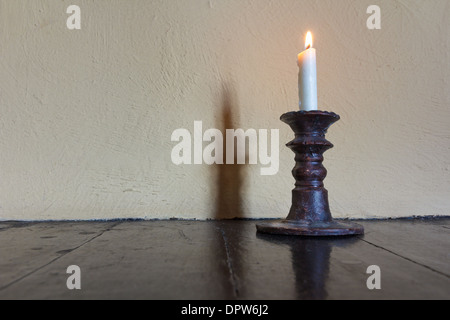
221,260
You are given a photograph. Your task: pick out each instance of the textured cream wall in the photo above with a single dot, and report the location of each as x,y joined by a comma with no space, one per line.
86,116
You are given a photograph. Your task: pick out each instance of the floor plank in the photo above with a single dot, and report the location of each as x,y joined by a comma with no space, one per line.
27,247
139,260
308,268
425,242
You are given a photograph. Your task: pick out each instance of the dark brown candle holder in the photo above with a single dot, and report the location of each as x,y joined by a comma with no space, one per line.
310,213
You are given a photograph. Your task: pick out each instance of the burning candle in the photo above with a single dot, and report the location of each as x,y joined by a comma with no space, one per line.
307,77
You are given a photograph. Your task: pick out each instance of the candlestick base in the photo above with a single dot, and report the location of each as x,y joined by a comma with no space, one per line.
299,228
310,213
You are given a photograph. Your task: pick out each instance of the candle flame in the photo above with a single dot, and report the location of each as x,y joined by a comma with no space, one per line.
308,42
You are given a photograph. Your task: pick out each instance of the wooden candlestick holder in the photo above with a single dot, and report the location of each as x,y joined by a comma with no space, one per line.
310,213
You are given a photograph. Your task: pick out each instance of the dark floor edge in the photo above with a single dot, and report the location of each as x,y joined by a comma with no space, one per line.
426,218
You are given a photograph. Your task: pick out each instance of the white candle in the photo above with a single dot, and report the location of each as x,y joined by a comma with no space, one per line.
307,77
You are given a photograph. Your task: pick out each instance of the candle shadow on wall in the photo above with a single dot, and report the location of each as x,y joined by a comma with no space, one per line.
229,177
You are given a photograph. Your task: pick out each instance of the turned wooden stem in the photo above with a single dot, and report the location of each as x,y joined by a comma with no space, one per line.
309,198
